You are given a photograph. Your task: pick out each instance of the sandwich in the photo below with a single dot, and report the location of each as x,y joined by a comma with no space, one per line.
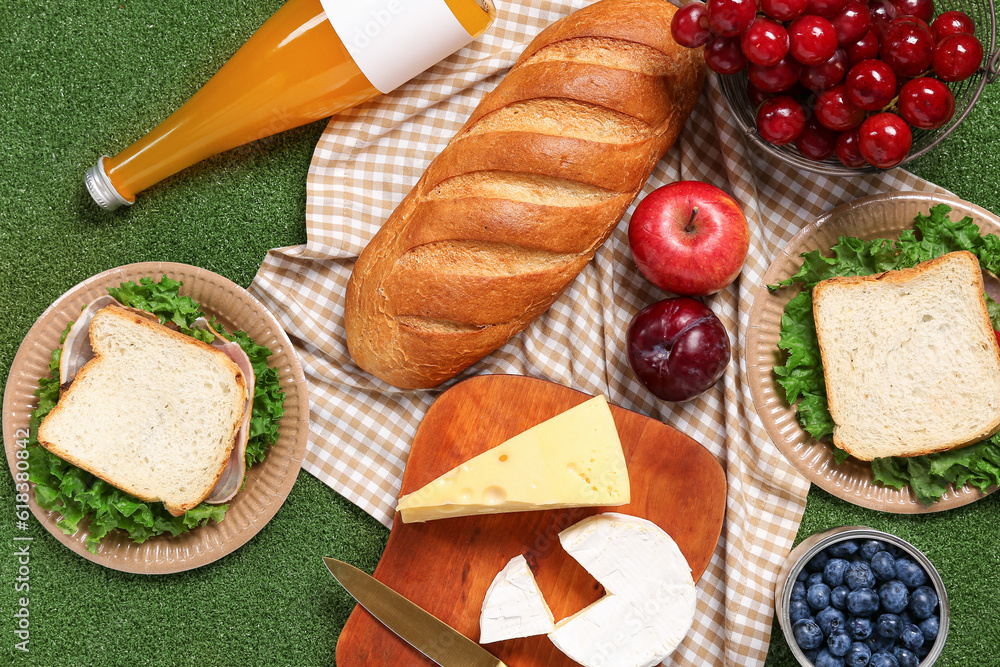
151,417
889,364
154,413
910,359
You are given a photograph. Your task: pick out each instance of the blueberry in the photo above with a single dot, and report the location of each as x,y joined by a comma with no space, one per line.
894,596
844,549
838,642
905,617
869,548
833,573
884,566
858,627
818,562
827,659
802,575
858,655
910,573
814,578
859,575
889,625
811,655
929,627
883,659
922,602
879,643
799,609
818,596
912,637
863,602
838,597
807,634
798,591
830,619
905,657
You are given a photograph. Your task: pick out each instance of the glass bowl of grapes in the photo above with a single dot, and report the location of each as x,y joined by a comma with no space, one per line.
843,87
858,597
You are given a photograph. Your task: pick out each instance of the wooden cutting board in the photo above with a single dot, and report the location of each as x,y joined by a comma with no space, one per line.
445,566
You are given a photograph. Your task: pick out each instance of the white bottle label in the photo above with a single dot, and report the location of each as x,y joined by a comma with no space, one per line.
394,40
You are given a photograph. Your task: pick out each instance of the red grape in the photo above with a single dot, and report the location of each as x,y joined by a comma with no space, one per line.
871,84
957,57
885,140
825,8
863,49
835,111
852,23
730,18
816,142
690,25
882,12
765,42
780,120
922,9
908,46
818,78
812,39
723,55
952,23
783,10
847,149
776,78
926,103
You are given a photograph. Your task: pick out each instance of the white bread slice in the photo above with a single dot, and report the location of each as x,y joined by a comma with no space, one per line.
154,413
911,362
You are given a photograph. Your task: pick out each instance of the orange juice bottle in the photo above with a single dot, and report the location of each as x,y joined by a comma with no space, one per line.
311,59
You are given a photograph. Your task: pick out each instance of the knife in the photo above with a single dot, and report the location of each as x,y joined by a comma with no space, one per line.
421,630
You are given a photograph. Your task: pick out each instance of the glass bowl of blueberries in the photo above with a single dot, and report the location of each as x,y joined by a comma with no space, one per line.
858,597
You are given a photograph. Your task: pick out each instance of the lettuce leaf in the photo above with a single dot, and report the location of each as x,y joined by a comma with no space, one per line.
76,494
801,376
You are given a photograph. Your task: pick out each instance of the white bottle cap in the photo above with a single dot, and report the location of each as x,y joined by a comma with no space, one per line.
394,40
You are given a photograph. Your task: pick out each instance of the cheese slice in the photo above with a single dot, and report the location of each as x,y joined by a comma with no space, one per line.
574,459
650,601
514,606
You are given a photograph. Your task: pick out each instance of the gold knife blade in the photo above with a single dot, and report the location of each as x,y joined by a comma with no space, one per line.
423,631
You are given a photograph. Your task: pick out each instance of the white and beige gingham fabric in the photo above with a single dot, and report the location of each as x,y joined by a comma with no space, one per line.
361,428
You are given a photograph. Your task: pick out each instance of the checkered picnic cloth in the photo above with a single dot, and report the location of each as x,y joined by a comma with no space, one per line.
361,428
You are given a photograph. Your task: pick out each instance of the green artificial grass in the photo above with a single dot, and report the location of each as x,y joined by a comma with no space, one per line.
79,79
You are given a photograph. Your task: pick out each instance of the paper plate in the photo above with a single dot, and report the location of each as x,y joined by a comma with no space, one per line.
877,216
268,483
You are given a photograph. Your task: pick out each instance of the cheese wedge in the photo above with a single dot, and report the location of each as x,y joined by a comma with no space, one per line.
651,596
574,459
514,606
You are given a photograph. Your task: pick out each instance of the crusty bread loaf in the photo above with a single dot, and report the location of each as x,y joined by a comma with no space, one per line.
154,413
910,359
521,199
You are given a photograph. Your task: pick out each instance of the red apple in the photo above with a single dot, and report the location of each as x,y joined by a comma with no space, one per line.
677,348
689,238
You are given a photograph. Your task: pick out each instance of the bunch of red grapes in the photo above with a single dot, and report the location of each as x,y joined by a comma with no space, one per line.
838,76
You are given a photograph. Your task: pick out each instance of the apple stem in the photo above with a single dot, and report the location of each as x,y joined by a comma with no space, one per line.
690,224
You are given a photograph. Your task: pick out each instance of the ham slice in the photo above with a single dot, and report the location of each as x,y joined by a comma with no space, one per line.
235,470
77,352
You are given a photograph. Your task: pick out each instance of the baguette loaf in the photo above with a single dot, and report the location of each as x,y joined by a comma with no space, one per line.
520,200
154,413
910,360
